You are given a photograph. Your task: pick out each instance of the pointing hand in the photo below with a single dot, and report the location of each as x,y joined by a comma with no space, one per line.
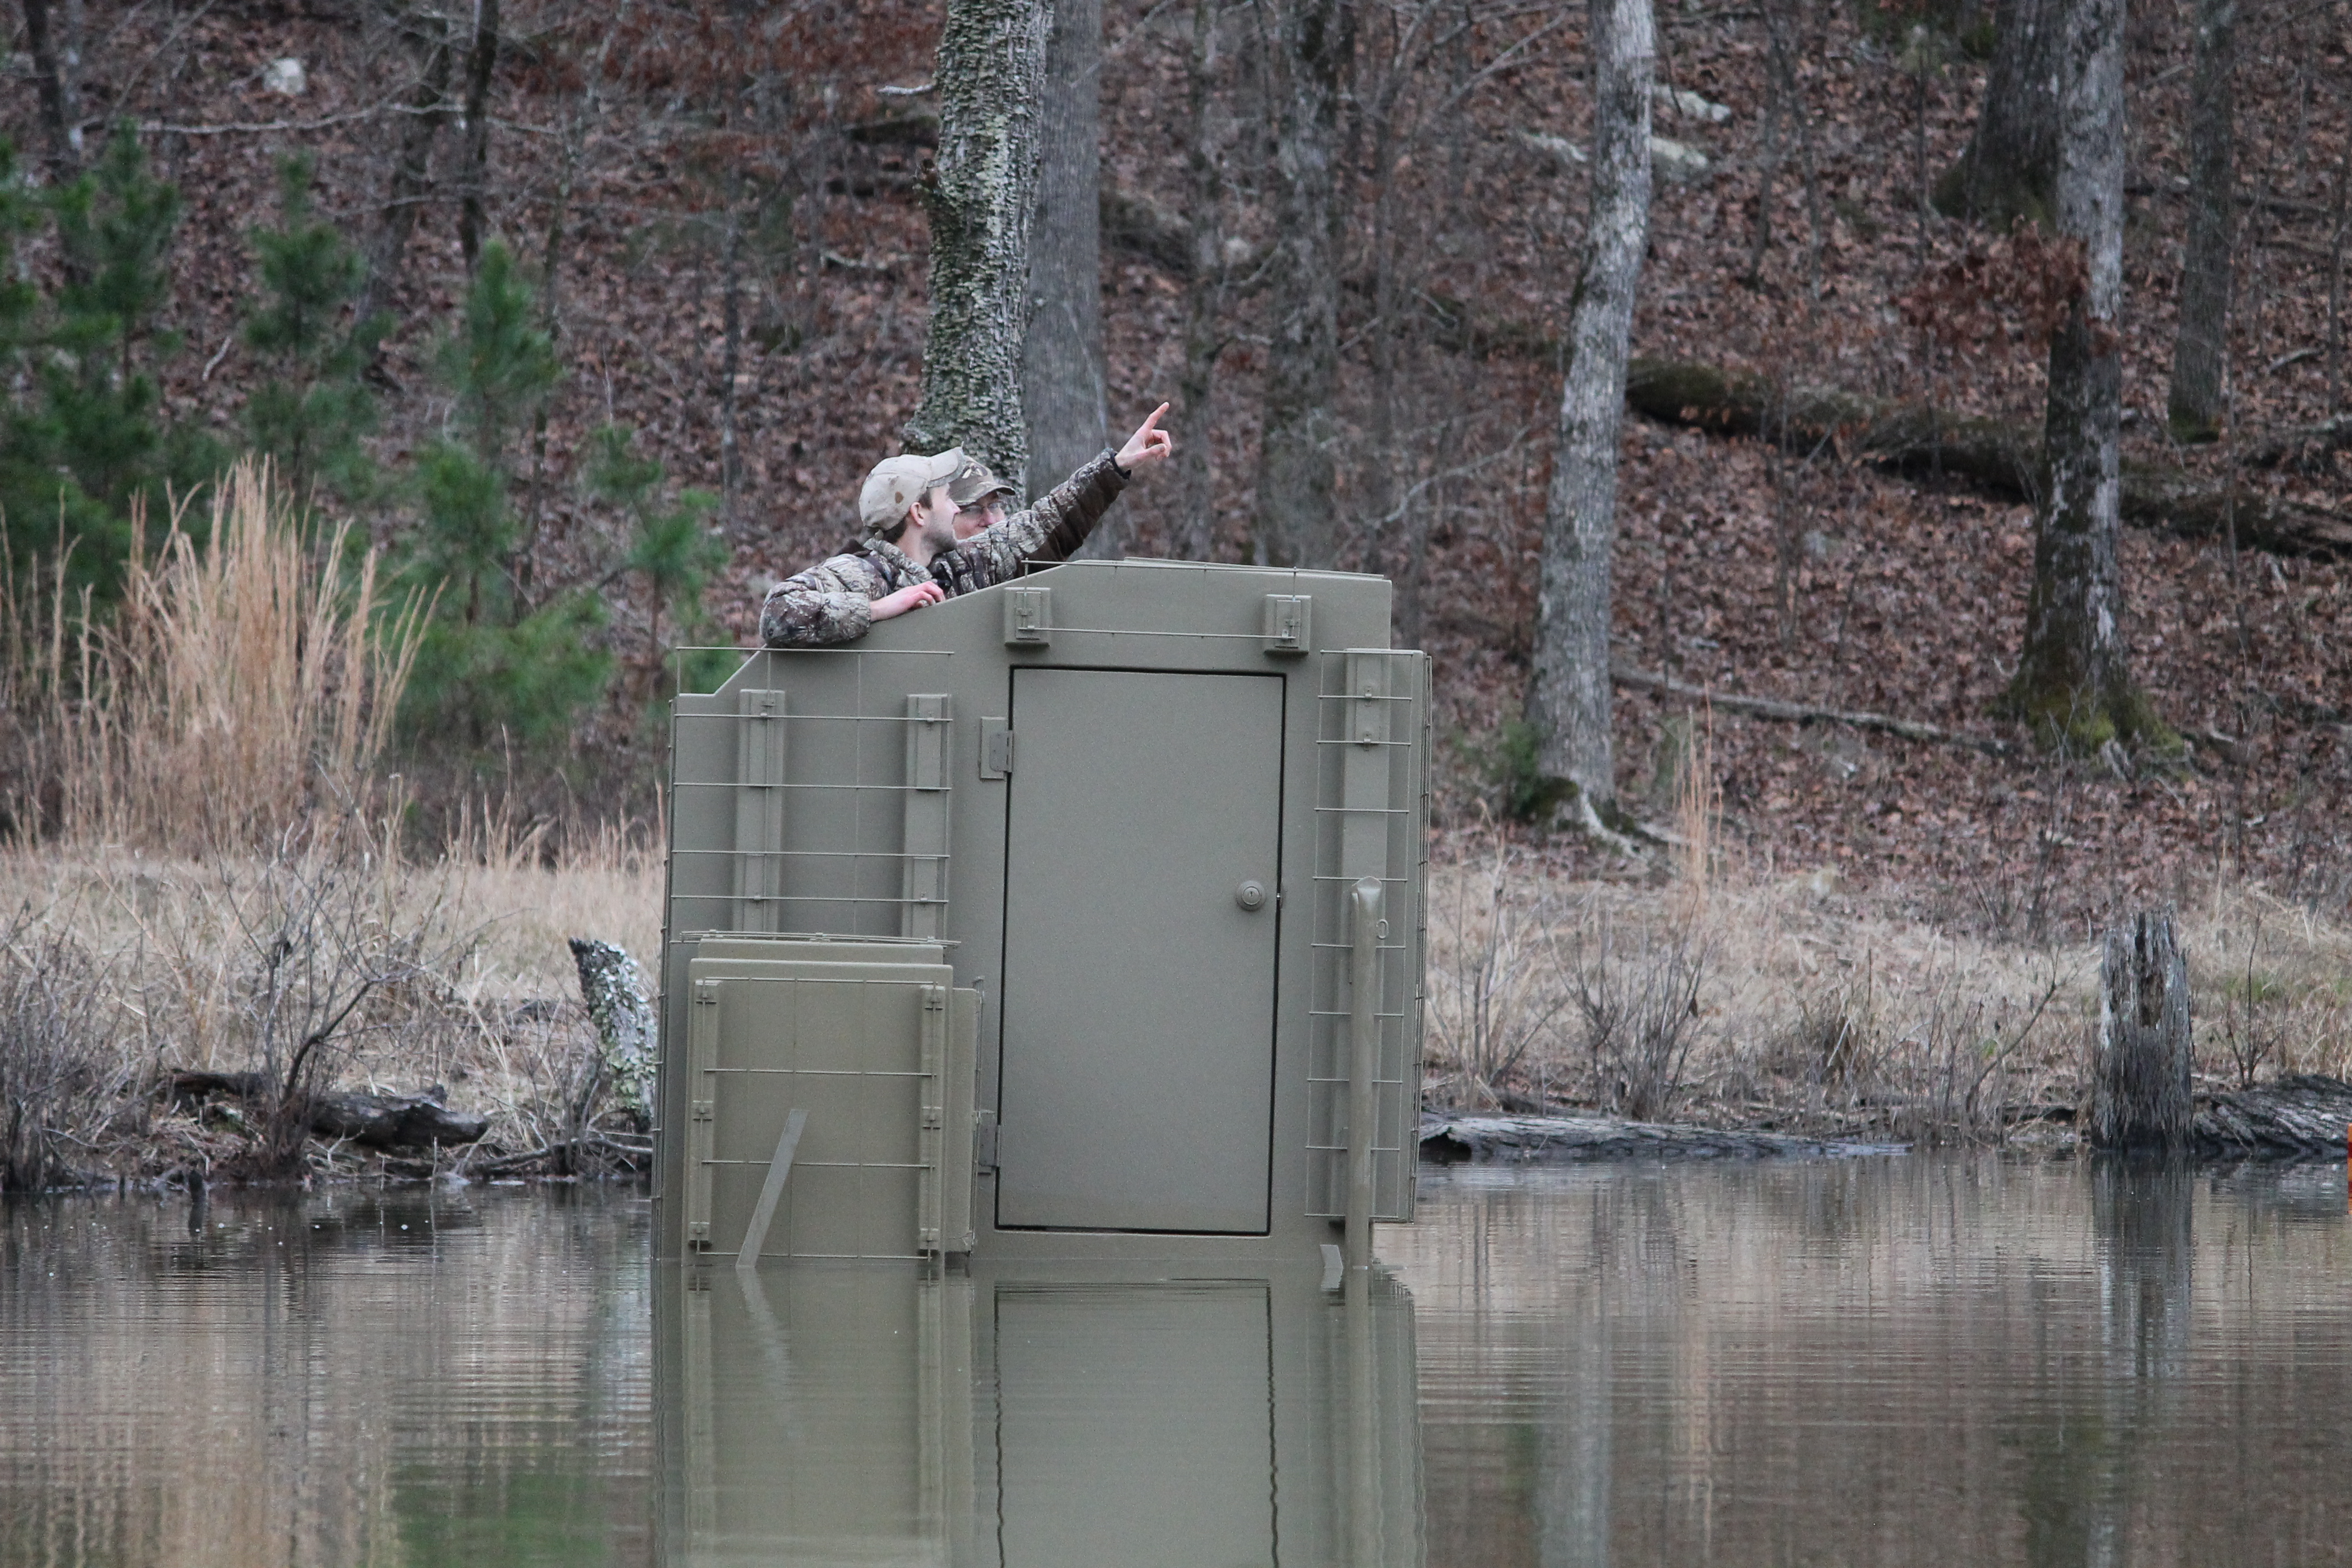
1148,445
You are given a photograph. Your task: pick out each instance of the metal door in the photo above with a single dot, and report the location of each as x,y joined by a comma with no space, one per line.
1137,1088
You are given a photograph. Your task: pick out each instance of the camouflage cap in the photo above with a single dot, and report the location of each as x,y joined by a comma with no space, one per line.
897,483
976,484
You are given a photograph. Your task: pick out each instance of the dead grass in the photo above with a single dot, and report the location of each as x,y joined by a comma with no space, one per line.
208,875
1821,1011
240,686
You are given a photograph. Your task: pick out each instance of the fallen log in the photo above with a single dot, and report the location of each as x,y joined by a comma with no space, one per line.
376,1120
1567,1140
1992,455
393,1120
1802,713
2303,1117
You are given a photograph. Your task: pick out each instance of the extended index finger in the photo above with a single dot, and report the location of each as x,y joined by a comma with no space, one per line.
1152,422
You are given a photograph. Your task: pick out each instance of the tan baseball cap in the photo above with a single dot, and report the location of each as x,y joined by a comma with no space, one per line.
975,484
897,483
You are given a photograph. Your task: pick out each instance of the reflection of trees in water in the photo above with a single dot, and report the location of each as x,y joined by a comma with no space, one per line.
1573,1445
344,1377
1974,1360
2085,1448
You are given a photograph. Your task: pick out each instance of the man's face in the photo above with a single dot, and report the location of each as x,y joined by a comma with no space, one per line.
986,512
935,518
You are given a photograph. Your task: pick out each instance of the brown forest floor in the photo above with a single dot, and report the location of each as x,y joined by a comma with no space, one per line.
1908,599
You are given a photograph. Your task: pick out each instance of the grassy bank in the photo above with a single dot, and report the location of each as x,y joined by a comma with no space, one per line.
1786,1003
121,971
1740,998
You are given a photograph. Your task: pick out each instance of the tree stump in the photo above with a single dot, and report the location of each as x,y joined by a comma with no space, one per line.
614,989
2140,1095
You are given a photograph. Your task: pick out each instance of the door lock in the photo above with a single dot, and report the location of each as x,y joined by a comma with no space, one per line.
1251,895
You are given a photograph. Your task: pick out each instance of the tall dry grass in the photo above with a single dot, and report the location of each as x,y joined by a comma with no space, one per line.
209,872
241,685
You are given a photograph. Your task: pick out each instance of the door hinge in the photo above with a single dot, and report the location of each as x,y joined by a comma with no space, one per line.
984,1140
995,748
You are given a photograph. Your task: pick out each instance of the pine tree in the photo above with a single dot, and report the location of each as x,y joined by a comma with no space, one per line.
312,412
93,442
672,548
28,480
490,665
499,361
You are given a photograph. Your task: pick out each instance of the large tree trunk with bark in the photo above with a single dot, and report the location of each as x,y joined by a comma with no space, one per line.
54,62
2200,352
2140,1088
1314,48
2071,682
481,69
2010,168
1204,298
980,193
1062,364
428,107
1568,699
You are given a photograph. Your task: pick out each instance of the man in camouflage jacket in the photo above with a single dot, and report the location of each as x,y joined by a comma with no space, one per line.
912,555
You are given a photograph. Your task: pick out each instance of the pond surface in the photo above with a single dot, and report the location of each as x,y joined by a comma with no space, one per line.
1870,1362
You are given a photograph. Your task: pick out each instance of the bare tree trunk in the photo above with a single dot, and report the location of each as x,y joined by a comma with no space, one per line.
2335,283
1808,167
54,63
2200,352
429,106
581,107
1204,295
2010,167
730,356
2140,1090
1315,44
1568,700
1760,237
2071,683
1062,364
481,68
982,195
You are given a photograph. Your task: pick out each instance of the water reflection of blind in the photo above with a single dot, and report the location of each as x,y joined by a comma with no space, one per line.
1137,1425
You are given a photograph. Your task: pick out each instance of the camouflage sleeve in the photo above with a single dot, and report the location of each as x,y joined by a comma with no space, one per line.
829,603
1049,531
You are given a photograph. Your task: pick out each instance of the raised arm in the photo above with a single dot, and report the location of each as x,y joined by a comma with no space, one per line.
1060,522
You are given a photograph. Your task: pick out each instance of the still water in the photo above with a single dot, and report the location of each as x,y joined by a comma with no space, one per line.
1917,1361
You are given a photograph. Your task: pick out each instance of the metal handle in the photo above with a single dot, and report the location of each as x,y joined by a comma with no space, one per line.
1363,1062
1251,895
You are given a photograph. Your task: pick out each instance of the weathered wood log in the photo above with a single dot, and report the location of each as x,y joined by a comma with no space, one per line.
615,990
2141,1061
1990,455
393,1120
1566,1139
1803,713
378,1121
188,1089
2302,1117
